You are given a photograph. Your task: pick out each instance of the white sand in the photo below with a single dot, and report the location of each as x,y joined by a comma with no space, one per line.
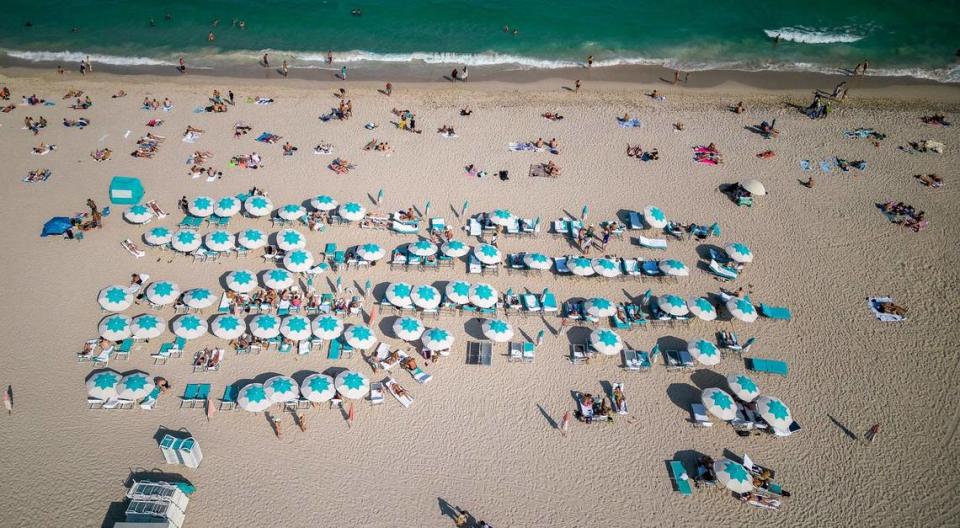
481,438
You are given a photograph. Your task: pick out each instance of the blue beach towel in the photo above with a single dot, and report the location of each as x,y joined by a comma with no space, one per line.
630,123
825,165
804,165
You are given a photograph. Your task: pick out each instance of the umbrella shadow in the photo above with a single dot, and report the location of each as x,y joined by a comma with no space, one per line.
683,394
455,211
578,335
688,457
386,326
705,379
550,328
301,375
380,290
846,431
373,199
474,328
547,417
671,343
703,251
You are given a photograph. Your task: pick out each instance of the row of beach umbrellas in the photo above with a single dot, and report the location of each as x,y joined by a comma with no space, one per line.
740,308
258,397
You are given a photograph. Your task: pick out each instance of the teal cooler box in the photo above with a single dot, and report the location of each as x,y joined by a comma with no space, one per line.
125,190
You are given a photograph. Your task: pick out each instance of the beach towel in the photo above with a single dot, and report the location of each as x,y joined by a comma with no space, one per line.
825,166
371,126
874,303
629,123
167,108
49,103
268,137
199,110
522,146
38,176
191,137
539,170
263,101
804,165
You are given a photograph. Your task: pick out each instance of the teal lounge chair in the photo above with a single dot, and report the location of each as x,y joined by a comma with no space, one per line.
189,397
123,351
228,402
180,343
680,478
722,271
771,366
203,393
775,312
190,222
334,351
549,301
330,248
339,259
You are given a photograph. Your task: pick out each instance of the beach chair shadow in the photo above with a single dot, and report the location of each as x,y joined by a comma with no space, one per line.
689,457
116,513
846,431
446,509
546,416
683,394
164,431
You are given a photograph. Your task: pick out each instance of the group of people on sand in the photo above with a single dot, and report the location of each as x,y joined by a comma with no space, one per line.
378,146
600,405
148,145
154,104
75,123
408,120
905,215
586,236
208,358
82,104
930,180
708,154
35,126
636,151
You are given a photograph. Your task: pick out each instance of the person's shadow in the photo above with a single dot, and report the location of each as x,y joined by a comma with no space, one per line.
448,510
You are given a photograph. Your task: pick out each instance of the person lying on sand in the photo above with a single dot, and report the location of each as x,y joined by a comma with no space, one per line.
72,93
936,120
119,94
552,168
930,180
288,149
194,130
466,111
552,116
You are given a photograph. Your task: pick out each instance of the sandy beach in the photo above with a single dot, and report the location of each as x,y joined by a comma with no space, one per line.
485,439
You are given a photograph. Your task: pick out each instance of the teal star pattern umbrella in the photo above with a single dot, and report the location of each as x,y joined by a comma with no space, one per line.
298,260
115,327
483,295
702,308
198,298
265,326
674,268
327,327
318,388
719,403
458,292
135,386
502,217
398,293
422,248
228,327
147,326
352,385
227,206
158,236
219,240
291,212
352,211
600,307
258,206
437,339
189,327
606,267
201,206
426,296
185,241
774,412
743,387
323,203
739,252
281,389
115,298
162,292
605,341
581,266
138,214
296,328
252,238
497,330
290,239
537,261
360,336
370,252
487,254
705,351
673,305
241,281
733,475
253,398
654,217
408,328
102,384
455,249
277,279
742,309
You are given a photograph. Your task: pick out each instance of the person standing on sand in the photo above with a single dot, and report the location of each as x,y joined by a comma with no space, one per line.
283,69
329,56
576,86
230,97
590,61
59,69
388,89
183,66
266,63
8,399
463,74
83,68
676,76
343,72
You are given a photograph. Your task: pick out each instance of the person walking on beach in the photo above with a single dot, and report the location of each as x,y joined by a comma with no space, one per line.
388,89
576,86
8,399
183,66
676,76
463,74
590,61
343,72
90,64
872,432
329,56
565,423
283,69
266,63
230,97
83,68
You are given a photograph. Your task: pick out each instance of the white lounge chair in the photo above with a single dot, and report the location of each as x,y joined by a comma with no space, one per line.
699,414
376,393
406,400
652,243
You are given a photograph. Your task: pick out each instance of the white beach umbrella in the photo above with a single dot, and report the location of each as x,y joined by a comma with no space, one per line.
497,330
290,239
483,295
198,298
370,251
455,249
228,326
162,292
291,212
277,279
318,388
437,339
103,384
298,260
742,309
408,328
754,187
705,351
487,254
219,240
719,403
674,268
352,385
201,206
422,248
327,327
360,336
673,305
296,328
702,308
774,412
115,327
739,252
323,203
186,241
581,266
398,293
147,326
352,211
265,326
281,389
115,298
135,386
733,475
502,217
654,217
605,341
743,387
253,398
426,296
258,206
157,236
606,267
458,291
537,261
241,281
227,206
600,307
138,214
252,238
189,326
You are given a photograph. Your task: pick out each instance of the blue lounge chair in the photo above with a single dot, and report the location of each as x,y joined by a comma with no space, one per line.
771,366
635,221
228,401
330,248
722,271
775,312
680,478
334,351
548,301
651,268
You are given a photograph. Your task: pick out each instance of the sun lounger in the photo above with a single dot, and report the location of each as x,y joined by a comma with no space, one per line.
560,264
228,402
619,409
387,365
771,366
150,401
123,351
699,415
376,393
103,357
335,351
479,353
651,268
680,478
189,397
404,228
548,300
406,400
420,375
678,359
722,271
652,243
775,312
635,221
636,360
474,265
578,353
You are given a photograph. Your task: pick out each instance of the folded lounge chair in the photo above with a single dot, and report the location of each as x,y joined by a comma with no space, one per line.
479,353
636,360
635,221
771,366
652,243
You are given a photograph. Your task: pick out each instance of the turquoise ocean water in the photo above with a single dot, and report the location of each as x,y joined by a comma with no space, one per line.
899,37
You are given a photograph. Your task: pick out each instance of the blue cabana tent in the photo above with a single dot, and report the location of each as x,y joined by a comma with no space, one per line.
57,225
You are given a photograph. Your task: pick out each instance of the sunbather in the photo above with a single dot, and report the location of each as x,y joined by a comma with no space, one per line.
552,116
930,180
119,94
935,119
